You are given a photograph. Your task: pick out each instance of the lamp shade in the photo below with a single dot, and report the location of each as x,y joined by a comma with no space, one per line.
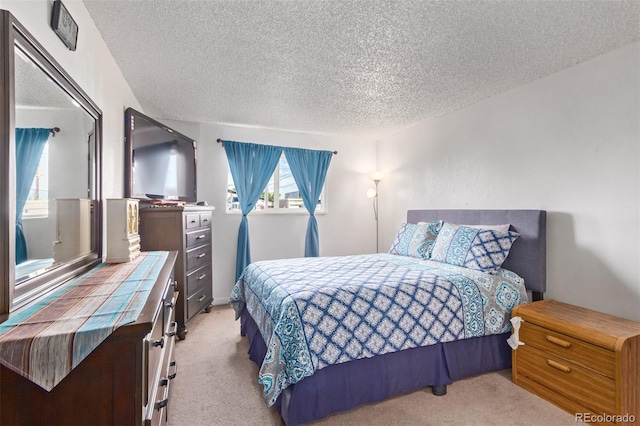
376,176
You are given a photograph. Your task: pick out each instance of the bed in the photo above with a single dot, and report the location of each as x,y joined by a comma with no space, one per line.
307,381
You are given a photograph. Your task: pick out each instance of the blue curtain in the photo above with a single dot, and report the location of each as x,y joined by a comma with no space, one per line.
29,146
309,170
251,168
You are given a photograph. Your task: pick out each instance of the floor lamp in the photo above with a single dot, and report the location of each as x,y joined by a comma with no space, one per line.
376,177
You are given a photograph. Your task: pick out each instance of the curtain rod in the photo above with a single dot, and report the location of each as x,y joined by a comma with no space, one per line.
54,130
220,141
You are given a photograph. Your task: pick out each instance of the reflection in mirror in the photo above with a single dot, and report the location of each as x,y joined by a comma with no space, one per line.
53,179
50,197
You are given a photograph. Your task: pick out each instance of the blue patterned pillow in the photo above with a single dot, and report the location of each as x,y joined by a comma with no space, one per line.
416,239
473,248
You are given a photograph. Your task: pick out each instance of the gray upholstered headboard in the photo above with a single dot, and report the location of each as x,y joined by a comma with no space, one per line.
528,256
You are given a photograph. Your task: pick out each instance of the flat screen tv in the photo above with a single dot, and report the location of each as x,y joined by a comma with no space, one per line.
161,162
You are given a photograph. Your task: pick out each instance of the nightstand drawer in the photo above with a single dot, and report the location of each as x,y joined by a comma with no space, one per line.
588,388
569,348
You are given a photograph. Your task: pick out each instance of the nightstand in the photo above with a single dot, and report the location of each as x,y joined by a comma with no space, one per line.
583,361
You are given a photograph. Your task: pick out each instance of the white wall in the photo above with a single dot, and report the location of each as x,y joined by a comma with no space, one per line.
567,143
348,227
93,69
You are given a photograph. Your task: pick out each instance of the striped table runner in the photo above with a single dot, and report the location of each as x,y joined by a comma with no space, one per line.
46,340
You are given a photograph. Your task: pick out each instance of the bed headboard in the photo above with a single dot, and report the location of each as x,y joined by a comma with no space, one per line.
528,256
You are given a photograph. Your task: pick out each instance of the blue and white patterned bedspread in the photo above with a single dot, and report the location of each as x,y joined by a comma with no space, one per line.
314,312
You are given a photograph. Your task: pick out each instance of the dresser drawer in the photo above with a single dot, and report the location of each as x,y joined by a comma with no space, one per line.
199,300
198,237
578,352
198,278
205,219
192,220
198,256
587,388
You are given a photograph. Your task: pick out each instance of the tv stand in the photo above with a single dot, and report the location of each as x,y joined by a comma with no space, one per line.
186,229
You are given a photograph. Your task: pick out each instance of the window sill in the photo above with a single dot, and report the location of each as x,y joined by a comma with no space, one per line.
35,216
303,212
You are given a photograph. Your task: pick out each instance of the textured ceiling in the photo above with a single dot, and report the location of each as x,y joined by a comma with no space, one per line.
349,67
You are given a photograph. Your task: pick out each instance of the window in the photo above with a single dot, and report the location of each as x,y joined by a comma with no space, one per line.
37,204
281,193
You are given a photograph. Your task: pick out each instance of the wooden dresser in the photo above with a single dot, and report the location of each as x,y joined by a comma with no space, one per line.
188,231
124,381
586,362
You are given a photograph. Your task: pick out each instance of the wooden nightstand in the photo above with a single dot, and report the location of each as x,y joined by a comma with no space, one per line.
583,361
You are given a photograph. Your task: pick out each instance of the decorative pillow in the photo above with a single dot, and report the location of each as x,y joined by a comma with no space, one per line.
481,249
416,239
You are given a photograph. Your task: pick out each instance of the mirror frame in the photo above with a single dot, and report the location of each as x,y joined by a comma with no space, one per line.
13,34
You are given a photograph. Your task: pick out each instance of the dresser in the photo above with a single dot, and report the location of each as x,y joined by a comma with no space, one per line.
186,229
586,362
125,380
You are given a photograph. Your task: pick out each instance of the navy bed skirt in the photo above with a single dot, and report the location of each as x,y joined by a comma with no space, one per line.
342,387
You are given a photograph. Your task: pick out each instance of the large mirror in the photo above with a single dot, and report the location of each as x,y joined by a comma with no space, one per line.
51,179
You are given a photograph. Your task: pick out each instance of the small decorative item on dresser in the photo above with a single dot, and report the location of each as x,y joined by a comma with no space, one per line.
585,362
123,239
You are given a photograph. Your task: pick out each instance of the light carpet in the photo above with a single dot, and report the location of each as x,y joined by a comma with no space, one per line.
217,385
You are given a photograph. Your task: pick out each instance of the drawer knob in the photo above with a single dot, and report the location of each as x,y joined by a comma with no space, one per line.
558,342
159,342
558,366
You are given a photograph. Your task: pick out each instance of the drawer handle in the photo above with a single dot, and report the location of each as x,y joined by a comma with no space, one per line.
558,342
161,404
168,305
200,255
159,342
202,277
558,366
202,298
199,237
175,370
174,329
